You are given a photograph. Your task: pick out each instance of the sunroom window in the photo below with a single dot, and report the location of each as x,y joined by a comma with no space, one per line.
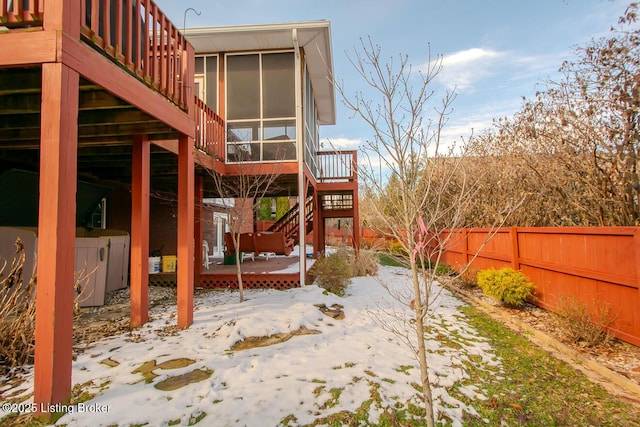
206,80
261,124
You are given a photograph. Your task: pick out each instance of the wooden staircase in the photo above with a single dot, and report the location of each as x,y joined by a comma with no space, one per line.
336,192
288,223
329,202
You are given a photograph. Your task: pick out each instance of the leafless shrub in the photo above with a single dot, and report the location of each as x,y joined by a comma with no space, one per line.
467,280
365,263
81,285
583,326
332,272
17,313
18,310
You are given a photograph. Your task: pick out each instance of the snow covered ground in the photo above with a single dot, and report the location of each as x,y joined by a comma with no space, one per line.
303,379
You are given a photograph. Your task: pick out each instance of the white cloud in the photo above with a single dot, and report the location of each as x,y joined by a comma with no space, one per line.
462,69
341,143
470,56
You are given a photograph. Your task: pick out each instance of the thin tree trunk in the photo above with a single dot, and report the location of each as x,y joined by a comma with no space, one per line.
239,272
422,351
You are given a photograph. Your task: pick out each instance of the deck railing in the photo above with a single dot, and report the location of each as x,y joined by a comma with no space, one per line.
134,33
140,37
209,130
337,166
18,13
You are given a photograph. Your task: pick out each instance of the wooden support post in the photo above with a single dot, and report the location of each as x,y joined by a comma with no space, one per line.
56,235
318,225
254,213
198,227
186,186
356,222
356,208
140,230
636,247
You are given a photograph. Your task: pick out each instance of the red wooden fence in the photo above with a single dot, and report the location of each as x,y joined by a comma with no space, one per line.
599,266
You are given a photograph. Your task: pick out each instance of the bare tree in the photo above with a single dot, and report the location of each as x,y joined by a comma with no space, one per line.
413,177
573,150
241,195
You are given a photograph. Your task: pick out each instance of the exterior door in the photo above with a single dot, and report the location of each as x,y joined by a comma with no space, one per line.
221,225
199,87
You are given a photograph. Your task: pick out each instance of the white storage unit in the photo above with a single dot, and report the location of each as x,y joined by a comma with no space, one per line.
107,252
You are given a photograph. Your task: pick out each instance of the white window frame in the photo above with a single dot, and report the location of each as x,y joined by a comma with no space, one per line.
260,119
201,78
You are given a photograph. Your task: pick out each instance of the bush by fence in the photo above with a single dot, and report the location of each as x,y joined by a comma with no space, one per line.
586,263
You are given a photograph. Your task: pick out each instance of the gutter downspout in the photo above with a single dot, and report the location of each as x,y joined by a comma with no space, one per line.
302,193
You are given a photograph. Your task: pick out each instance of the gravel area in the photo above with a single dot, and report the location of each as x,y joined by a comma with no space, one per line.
112,318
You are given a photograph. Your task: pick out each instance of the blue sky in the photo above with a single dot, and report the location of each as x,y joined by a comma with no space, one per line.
495,51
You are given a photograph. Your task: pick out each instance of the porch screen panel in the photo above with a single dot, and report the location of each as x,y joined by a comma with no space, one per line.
261,110
278,79
212,82
199,65
311,134
243,87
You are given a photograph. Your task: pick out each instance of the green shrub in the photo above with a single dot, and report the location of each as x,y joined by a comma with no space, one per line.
332,273
506,285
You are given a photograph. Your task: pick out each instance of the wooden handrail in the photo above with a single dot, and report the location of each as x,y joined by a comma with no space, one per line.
209,130
288,223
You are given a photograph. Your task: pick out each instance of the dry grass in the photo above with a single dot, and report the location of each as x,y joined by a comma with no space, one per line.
365,263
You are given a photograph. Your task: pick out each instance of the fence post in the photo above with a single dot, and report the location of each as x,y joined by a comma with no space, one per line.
515,249
636,247
465,245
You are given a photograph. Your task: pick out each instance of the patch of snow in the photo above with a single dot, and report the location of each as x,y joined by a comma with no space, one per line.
263,385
